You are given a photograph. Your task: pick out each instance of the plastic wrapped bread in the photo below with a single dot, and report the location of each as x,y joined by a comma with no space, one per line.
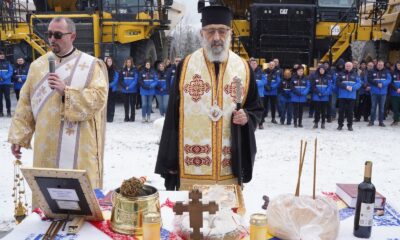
291,217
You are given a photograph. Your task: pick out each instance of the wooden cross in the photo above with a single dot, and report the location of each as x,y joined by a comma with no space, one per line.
195,209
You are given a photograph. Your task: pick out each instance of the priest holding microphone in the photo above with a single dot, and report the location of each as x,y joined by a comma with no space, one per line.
63,103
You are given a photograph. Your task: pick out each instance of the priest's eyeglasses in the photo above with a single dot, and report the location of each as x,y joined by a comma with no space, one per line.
221,31
56,34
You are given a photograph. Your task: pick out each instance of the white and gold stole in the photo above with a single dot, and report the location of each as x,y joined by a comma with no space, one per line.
75,72
204,141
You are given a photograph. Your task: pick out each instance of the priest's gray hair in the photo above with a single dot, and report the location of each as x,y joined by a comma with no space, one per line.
70,24
216,53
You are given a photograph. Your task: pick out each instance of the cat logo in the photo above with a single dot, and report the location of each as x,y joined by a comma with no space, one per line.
283,11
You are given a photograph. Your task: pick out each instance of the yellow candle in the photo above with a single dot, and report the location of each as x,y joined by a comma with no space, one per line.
258,226
152,226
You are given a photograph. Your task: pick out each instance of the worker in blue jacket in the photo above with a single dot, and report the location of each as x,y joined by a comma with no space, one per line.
271,90
6,71
148,83
19,75
339,69
364,101
129,84
379,80
162,89
395,93
347,83
286,106
321,87
113,77
171,71
300,88
260,81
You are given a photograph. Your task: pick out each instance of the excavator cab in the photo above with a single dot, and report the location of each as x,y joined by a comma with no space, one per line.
337,10
45,6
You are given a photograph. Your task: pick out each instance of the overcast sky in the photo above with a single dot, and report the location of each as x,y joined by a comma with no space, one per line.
191,16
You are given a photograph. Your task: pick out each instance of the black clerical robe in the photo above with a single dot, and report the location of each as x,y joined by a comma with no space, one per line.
168,155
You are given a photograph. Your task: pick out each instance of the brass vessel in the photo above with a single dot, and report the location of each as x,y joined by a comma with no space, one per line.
128,213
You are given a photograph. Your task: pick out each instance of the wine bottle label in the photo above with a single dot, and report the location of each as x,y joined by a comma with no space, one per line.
367,214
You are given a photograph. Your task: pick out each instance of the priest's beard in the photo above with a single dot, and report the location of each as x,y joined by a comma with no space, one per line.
216,51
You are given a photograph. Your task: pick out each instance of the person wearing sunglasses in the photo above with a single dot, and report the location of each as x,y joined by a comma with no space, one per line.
200,137
64,109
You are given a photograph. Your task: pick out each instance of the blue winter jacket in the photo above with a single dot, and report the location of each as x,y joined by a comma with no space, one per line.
321,87
332,75
148,82
300,86
272,82
113,83
260,80
379,76
171,74
19,75
346,79
163,83
285,90
395,85
339,69
129,80
364,82
6,71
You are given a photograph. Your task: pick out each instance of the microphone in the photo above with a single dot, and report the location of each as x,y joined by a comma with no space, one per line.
52,65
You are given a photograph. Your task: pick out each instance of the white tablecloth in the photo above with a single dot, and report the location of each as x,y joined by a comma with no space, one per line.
33,226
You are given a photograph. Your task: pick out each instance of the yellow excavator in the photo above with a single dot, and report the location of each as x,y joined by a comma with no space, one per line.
119,28
308,31
387,46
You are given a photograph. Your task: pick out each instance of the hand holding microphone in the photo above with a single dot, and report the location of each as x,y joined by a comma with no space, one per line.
53,79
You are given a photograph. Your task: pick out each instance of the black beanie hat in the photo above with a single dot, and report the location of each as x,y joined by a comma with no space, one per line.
216,15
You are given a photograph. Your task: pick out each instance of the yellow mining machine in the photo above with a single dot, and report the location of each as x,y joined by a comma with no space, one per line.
120,28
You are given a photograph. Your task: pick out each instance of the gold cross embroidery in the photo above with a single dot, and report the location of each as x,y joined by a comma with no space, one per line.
69,67
83,66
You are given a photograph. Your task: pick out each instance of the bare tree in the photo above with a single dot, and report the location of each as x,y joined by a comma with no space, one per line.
185,40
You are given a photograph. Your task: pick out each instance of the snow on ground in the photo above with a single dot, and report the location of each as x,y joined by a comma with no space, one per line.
131,150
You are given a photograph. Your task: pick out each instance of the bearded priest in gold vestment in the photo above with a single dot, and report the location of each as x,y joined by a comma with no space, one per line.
65,110
200,141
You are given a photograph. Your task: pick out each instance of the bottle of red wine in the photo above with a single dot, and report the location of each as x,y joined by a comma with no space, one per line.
363,218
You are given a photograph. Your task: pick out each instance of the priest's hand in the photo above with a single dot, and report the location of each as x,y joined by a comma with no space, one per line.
239,117
56,83
16,150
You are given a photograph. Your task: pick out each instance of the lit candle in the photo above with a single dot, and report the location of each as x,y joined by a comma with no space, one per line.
152,226
258,226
